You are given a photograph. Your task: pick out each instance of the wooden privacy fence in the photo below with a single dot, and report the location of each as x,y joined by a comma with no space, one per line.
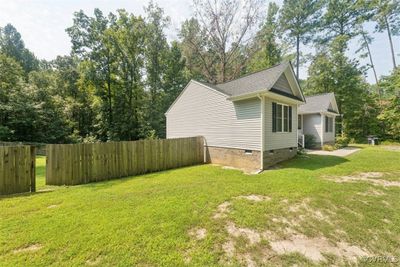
85,163
17,169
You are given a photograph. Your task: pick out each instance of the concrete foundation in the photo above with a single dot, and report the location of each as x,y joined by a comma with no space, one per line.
238,158
273,157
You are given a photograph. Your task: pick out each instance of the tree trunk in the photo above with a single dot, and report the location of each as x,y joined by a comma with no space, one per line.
391,42
372,64
109,96
297,56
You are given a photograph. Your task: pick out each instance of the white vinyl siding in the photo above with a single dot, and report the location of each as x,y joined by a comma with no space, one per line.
312,124
201,111
279,140
282,84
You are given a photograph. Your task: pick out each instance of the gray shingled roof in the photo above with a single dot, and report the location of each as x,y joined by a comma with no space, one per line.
254,82
316,103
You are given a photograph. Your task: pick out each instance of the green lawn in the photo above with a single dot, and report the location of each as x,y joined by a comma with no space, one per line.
200,216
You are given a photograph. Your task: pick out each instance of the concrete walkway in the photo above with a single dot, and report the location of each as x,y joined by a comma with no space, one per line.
343,152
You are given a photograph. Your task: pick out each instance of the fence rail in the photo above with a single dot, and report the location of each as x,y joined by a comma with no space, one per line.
17,169
85,163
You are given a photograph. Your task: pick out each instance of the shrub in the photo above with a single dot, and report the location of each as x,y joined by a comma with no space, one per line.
309,141
328,148
342,141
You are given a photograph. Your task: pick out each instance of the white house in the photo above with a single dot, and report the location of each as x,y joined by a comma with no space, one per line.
250,122
317,117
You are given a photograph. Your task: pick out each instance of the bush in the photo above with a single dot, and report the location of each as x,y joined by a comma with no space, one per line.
328,148
342,141
309,141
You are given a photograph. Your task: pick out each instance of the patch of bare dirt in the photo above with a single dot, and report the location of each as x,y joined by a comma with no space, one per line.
253,236
255,198
392,148
94,262
372,192
29,248
314,248
198,233
287,239
52,206
370,177
222,210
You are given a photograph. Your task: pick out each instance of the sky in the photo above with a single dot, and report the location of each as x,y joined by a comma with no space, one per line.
42,24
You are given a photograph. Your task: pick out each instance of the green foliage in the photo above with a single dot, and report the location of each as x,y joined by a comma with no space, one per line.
269,52
332,71
309,141
299,20
342,141
328,147
12,45
390,118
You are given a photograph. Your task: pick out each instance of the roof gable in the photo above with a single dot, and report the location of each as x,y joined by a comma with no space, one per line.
254,82
319,103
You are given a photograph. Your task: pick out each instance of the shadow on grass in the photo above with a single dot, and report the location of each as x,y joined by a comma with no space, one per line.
25,194
103,184
314,162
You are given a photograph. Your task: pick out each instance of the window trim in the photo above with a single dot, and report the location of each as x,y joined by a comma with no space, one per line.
289,118
328,124
299,125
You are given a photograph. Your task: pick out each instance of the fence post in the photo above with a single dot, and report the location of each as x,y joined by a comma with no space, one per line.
33,168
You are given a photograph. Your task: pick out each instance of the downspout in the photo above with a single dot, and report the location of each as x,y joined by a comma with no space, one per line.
262,98
322,129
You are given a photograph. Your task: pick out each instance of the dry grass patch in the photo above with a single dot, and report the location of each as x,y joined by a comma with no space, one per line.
198,233
369,177
252,247
28,248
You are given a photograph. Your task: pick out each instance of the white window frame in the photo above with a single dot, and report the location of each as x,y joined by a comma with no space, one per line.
283,118
329,124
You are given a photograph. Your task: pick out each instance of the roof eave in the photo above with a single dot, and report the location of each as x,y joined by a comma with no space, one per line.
267,94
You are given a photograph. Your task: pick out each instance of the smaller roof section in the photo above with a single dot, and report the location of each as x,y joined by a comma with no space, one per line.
319,103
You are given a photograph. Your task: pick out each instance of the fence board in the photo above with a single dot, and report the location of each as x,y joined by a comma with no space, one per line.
17,169
85,163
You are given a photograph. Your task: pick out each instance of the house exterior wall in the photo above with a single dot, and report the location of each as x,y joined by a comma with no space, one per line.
312,124
200,111
279,140
278,155
237,158
315,124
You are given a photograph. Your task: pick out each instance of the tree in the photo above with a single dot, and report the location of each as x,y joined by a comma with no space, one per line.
91,43
11,75
128,38
332,71
220,33
387,16
298,19
390,118
156,52
365,42
12,45
76,98
269,52
175,79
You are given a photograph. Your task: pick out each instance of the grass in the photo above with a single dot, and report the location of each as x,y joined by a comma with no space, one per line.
145,220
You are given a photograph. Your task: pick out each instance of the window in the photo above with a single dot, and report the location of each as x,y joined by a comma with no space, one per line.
248,152
328,124
281,118
299,122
